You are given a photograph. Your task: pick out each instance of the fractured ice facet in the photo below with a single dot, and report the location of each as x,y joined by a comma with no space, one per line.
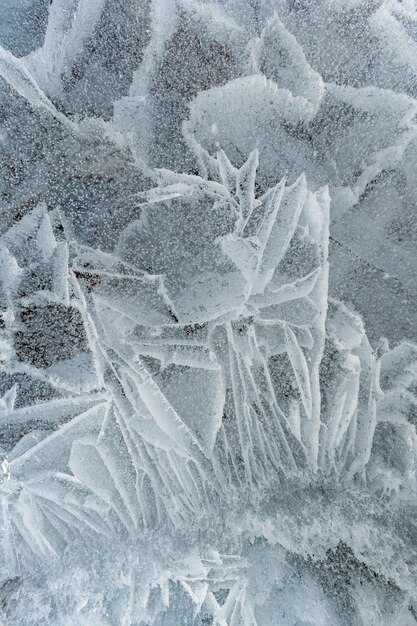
201,420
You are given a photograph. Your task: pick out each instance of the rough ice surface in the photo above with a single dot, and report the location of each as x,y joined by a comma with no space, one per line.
208,298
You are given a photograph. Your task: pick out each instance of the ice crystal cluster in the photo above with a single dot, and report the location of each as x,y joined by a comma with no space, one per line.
208,298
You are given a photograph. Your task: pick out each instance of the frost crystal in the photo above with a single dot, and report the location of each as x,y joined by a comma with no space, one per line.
208,222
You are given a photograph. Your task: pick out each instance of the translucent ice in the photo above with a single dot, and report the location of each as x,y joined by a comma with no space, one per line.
207,223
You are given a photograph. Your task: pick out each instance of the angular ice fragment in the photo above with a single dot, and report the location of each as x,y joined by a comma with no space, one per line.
198,397
15,72
244,111
300,367
52,453
8,400
280,57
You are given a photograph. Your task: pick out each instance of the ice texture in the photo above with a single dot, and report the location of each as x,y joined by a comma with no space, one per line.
208,270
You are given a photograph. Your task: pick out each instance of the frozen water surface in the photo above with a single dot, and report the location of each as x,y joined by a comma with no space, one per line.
208,312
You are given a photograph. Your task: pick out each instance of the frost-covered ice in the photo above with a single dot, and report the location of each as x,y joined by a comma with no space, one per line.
208,296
